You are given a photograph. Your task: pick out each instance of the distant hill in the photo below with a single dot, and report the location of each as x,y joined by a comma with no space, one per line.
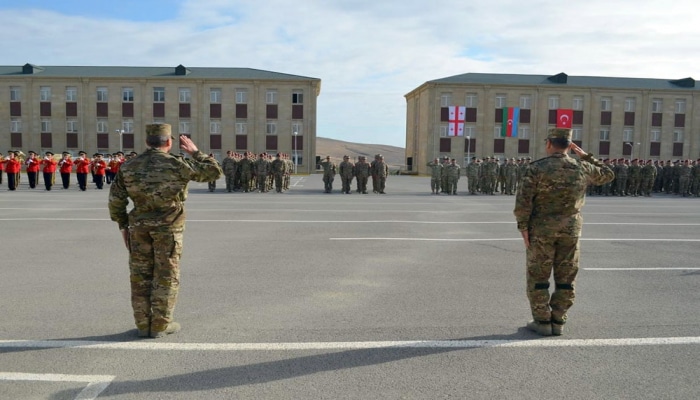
394,156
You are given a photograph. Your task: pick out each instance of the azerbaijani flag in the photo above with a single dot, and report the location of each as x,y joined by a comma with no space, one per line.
509,127
564,118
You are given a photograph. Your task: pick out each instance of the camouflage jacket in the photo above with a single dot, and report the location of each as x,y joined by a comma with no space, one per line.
435,170
549,201
156,182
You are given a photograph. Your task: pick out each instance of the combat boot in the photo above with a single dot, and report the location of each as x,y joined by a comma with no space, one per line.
557,329
172,327
143,332
541,328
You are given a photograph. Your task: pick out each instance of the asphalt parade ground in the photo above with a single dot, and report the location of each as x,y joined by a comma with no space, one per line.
306,295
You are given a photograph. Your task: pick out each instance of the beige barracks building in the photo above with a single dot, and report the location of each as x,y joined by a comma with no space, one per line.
105,109
611,117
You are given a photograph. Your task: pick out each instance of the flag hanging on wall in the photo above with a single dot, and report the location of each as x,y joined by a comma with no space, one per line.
509,127
456,121
564,118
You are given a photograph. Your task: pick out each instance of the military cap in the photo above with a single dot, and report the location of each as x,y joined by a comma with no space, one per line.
562,133
82,152
65,153
328,157
119,153
29,152
133,153
158,130
529,158
346,156
48,153
278,155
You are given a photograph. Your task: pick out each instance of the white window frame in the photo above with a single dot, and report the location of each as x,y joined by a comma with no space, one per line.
71,126
657,105
45,93
159,94
128,125
500,100
102,125
576,133
215,96
628,135
45,125
15,93
680,106
655,135
15,125
185,95
71,94
630,104
271,96
472,100
445,99
127,95
185,127
497,132
678,136
297,97
298,127
604,135
271,127
469,131
442,131
102,94
215,127
577,103
523,132
241,128
241,96
553,102
606,104
526,101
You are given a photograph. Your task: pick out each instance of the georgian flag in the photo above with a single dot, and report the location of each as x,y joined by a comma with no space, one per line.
456,121
564,118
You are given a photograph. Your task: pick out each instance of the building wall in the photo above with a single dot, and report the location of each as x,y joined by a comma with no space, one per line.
143,107
425,109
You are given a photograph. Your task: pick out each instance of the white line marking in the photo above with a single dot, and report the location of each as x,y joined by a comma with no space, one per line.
508,240
160,346
644,269
95,383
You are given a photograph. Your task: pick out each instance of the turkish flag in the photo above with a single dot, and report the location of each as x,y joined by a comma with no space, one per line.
564,118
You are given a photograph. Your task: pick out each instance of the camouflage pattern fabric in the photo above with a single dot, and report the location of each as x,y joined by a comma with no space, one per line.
548,206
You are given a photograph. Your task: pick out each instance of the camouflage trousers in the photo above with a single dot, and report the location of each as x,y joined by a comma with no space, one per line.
346,182
361,183
547,255
435,184
154,263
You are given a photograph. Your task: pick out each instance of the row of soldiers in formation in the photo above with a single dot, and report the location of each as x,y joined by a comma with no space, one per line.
632,177
101,167
484,175
378,169
249,172
642,178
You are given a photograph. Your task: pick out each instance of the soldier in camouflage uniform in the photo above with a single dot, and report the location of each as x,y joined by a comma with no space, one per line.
346,170
435,176
262,170
621,177
473,170
362,173
695,176
452,171
229,166
156,182
443,178
648,176
278,168
246,168
668,177
381,170
684,174
547,211
511,175
634,177
329,171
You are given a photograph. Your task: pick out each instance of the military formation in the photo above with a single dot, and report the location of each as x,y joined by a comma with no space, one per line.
643,178
633,178
248,172
102,168
361,171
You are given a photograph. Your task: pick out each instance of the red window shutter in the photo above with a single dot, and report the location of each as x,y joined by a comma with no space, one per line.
655,149
71,140
271,111
102,140
656,119
128,140
552,117
445,145
470,115
214,110
241,111
71,109
297,142
604,148
102,109
626,149
215,142
297,111
629,118
184,111
46,140
16,140
469,145
606,118
679,121
499,145
525,115
523,146
578,118
678,149
444,114
15,109
498,117
45,109
158,110
242,142
271,142
128,110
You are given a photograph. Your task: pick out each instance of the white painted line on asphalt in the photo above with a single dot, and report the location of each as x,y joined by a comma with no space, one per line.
644,269
508,239
95,383
467,344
